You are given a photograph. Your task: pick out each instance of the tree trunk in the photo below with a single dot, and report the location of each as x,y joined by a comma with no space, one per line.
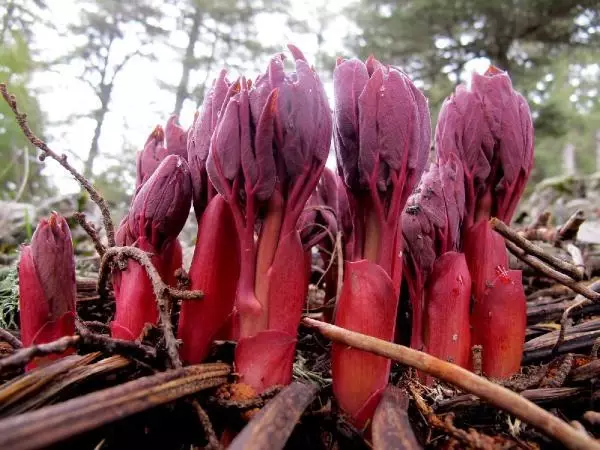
100,116
569,165
10,9
598,151
188,61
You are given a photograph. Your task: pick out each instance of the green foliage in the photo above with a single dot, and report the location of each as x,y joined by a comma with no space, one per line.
9,298
16,68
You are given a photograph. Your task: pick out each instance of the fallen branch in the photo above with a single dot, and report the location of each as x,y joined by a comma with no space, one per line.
470,439
110,345
571,227
53,424
531,249
25,355
540,231
7,336
469,382
577,338
391,426
565,321
162,291
273,424
211,437
540,396
62,160
541,267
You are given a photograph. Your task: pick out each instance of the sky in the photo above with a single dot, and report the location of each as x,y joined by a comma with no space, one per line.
138,104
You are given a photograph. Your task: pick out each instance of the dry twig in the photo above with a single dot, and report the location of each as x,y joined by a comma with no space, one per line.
469,382
540,231
162,291
565,321
471,439
531,249
91,232
579,301
7,336
110,345
543,268
571,227
25,355
62,160
211,437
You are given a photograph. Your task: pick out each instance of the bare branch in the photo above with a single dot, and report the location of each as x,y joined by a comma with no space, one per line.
543,268
495,394
529,247
62,160
25,355
91,231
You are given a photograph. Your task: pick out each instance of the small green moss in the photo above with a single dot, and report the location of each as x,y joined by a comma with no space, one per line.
9,298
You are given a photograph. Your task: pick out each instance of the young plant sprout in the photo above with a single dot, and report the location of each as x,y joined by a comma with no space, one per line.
47,288
267,154
382,134
488,127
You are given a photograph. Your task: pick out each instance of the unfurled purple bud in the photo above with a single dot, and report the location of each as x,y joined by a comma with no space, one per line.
199,138
176,138
303,118
382,126
150,157
161,207
433,215
233,148
155,219
301,113
489,128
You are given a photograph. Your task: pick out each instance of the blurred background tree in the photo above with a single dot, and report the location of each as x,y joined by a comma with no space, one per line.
549,47
98,49
218,33
20,171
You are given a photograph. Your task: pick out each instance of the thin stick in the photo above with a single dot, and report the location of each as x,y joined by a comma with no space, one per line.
162,291
571,227
580,300
497,395
540,266
10,338
25,355
62,160
91,232
211,437
530,248
111,345
542,220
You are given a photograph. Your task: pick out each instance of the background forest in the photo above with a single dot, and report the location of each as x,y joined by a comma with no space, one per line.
96,76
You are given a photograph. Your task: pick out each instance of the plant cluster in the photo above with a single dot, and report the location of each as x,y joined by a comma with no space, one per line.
253,166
